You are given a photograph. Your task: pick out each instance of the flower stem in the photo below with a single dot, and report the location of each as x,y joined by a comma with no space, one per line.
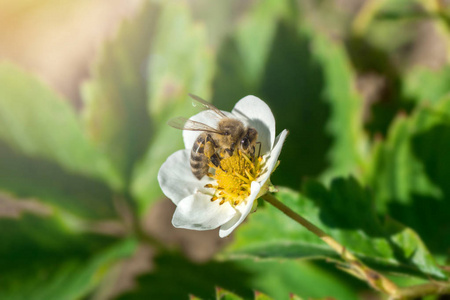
305,223
355,267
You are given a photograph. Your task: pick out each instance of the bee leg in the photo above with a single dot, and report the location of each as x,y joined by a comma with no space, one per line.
259,149
227,152
210,152
215,159
209,148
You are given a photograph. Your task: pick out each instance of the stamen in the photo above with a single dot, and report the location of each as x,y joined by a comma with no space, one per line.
233,177
249,175
241,177
247,159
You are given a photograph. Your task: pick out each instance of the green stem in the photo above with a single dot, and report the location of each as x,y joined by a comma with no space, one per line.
421,290
357,268
305,223
365,16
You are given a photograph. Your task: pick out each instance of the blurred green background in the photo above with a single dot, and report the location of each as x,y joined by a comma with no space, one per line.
87,87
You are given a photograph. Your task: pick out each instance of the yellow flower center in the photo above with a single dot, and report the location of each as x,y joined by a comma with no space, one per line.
234,177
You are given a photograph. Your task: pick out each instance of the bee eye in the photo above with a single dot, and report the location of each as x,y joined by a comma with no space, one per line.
244,143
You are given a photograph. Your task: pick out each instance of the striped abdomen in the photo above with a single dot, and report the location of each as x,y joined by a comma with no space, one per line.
201,153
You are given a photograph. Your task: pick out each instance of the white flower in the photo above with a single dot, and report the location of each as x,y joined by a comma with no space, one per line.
227,196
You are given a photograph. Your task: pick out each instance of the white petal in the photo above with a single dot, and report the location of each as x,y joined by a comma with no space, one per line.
176,179
273,158
199,213
242,213
260,117
207,117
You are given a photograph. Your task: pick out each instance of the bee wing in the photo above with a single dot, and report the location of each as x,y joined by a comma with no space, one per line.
186,124
206,105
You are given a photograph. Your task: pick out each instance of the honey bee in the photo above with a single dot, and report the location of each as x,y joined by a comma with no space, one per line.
215,144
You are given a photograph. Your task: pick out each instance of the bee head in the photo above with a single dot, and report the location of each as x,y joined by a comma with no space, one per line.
231,129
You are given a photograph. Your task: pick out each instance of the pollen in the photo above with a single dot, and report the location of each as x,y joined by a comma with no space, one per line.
233,178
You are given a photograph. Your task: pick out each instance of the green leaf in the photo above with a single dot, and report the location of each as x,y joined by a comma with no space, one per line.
116,113
242,57
201,280
242,277
255,35
180,62
74,279
345,124
222,294
46,260
423,85
27,177
44,153
345,212
307,81
395,173
39,124
261,296
291,84
409,175
380,30
281,279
